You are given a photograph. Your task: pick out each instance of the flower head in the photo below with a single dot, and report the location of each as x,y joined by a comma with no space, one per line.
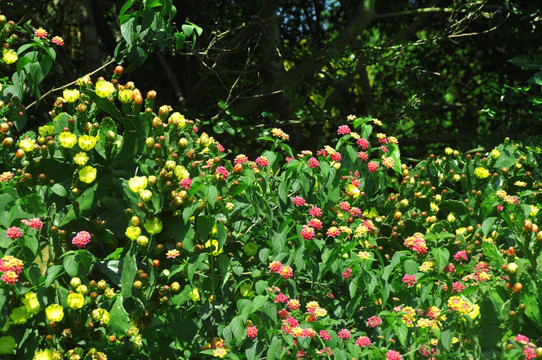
81,239
87,142
76,301
14,233
54,312
70,96
262,161
67,139
9,56
31,303
41,33
87,174
104,88
57,40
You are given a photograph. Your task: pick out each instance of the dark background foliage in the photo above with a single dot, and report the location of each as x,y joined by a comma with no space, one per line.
437,73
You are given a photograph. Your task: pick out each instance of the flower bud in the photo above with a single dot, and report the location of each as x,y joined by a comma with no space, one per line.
75,282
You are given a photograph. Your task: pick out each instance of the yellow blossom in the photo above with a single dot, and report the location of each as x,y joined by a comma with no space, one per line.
214,244
101,315
67,139
180,172
125,96
534,211
427,266
87,174
46,130
43,355
475,312
76,301
19,315
104,88
520,183
363,255
133,232
70,96
194,294
54,312
87,142
84,81
353,191
27,144
80,159
137,183
181,121
495,154
153,225
9,56
481,173
31,303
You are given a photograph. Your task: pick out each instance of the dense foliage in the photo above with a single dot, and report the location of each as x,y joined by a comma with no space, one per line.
436,72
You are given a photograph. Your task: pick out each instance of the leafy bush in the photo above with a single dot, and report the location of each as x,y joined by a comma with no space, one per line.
127,229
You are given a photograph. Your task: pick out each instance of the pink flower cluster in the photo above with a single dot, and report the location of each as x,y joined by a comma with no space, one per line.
283,270
81,239
299,201
252,332
417,243
313,163
262,161
343,130
221,170
347,274
186,183
374,321
372,166
14,233
10,267
33,223
409,280
307,233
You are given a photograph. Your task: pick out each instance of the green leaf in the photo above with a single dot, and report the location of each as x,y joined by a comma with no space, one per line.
180,39
453,206
446,337
401,330
119,321
441,256
71,264
129,271
492,253
211,194
59,190
487,225
187,29
51,275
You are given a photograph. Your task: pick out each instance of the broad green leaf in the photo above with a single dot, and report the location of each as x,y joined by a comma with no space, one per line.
119,320
129,270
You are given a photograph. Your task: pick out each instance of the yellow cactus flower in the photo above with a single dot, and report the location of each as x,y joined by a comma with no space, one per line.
9,56
67,139
87,174
76,301
87,142
125,96
104,88
194,294
80,158
481,173
137,183
133,232
31,303
27,144
54,312
70,96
